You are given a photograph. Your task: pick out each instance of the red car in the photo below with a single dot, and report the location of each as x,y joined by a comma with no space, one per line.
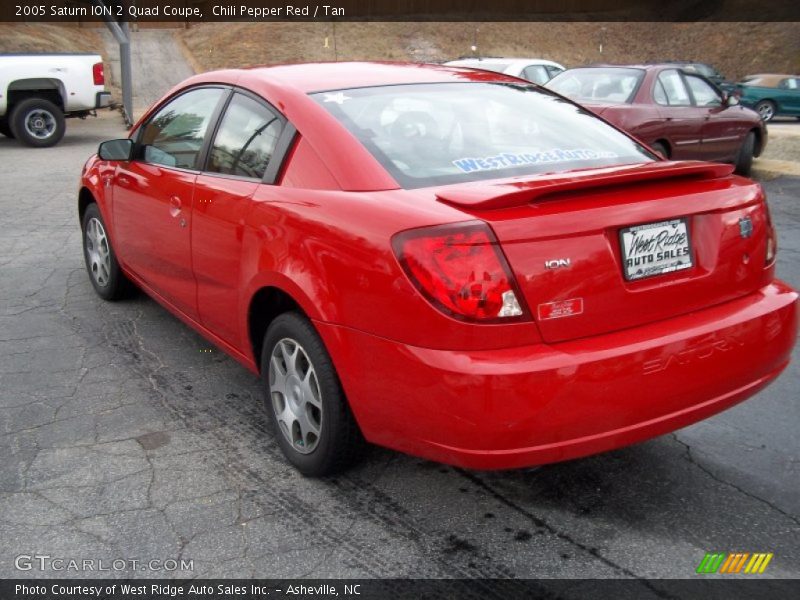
679,114
451,263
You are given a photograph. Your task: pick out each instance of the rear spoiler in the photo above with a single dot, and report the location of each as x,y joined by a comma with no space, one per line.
509,194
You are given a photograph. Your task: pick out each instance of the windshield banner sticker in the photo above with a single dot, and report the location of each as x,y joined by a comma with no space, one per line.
507,159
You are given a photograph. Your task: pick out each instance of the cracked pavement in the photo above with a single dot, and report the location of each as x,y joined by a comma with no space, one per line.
122,437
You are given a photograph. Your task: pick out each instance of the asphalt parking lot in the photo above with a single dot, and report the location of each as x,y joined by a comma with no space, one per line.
123,435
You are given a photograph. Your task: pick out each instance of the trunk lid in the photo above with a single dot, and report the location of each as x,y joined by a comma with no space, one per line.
563,236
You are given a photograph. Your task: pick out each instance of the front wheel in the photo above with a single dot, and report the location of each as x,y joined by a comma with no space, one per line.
107,278
37,122
744,160
314,426
766,108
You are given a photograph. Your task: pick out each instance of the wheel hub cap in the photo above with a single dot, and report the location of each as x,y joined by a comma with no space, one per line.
40,123
98,254
295,395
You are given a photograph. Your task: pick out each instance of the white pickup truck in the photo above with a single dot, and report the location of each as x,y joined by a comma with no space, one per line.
37,92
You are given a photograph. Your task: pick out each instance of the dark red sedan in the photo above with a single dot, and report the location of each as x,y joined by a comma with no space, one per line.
681,115
451,263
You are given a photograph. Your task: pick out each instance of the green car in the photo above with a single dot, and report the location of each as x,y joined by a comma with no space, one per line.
771,95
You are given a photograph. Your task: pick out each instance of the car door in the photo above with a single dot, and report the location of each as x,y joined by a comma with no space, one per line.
723,129
788,96
682,121
153,195
246,150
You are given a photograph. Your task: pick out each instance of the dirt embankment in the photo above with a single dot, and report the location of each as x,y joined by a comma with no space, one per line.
736,49
25,37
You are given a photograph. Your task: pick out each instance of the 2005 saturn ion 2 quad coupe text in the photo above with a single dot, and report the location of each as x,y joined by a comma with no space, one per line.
452,263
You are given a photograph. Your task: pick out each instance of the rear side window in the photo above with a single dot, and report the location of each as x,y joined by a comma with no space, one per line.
674,88
433,134
598,84
659,94
174,136
245,139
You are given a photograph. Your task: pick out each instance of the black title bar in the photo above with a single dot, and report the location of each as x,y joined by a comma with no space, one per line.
196,11
380,589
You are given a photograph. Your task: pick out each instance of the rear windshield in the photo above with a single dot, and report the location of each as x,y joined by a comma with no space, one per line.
598,84
441,133
753,80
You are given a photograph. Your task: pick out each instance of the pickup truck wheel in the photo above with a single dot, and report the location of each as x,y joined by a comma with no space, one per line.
37,122
744,160
107,278
5,129
313,424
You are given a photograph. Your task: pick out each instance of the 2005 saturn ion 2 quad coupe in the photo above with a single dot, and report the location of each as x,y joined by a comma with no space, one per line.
455,264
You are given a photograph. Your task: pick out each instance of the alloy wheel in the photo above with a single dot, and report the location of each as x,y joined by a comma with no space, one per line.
40,123
295,395
766,111
98,252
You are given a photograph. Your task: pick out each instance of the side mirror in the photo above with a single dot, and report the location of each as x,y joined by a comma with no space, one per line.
731,99
116,150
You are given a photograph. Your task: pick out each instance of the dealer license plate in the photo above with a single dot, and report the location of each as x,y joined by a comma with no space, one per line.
655,249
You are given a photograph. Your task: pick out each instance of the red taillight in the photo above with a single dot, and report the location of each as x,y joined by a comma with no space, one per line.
461,270
772,239
98,74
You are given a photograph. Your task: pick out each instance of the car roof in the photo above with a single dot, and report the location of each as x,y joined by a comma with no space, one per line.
642,66
502,61
776,77
319,77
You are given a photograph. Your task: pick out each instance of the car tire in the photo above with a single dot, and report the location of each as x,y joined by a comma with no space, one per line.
313,424
766,109
659,147
37,122
5,129
104,272
744,159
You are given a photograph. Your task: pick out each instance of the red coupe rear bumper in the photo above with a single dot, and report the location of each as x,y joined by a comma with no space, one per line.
530,405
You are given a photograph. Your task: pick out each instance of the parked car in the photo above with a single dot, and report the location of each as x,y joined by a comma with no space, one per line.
679,114
535,70
443,261
771,95
37,91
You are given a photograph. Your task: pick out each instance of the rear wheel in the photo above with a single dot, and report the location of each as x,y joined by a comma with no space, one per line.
107,278
744,160
5,129
766,108
37,122
314,426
